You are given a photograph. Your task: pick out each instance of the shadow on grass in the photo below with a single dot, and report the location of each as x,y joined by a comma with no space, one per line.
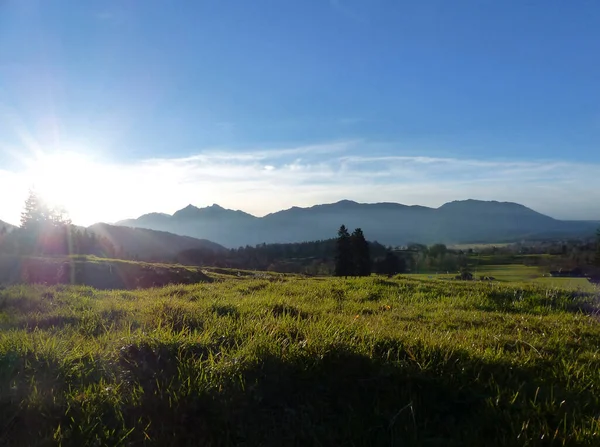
403,396
347,398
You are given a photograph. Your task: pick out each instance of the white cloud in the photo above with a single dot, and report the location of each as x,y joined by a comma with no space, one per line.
264,181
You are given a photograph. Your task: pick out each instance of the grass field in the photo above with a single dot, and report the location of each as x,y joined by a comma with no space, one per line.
505,273
295,361
568,283
511,273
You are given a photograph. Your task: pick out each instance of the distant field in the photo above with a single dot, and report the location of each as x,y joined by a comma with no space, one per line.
509,272
478,246
516,273
568,283
275,360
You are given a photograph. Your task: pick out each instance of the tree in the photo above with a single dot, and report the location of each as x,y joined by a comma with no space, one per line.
416,247
437,250
343,256
43,230
35,213
361,254
390,265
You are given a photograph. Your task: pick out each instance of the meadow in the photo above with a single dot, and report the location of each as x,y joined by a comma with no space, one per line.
516,273
280,360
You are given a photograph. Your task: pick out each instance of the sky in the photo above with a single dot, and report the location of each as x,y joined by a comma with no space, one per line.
116,108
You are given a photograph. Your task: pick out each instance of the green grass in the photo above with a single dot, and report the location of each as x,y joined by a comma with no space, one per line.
568,283
504,273
515,273
511,273
292,361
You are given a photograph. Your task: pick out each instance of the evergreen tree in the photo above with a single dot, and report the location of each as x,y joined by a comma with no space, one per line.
35,213
43,230
343,256
390,265
361,254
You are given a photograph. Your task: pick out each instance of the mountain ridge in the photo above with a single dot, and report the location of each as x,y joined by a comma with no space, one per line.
6,225
459,221
343,202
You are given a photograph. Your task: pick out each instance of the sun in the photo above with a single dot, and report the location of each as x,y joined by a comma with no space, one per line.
63,179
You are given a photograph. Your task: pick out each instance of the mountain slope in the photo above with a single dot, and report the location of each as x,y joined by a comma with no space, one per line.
149,244
6,225
389,223
214,223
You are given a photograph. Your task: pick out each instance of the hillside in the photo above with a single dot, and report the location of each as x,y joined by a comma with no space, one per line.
6,225
151,245
99,273
388,223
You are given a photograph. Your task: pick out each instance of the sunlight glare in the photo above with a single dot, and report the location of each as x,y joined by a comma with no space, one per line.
62,179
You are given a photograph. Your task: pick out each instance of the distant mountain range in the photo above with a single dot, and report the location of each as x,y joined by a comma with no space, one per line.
468,221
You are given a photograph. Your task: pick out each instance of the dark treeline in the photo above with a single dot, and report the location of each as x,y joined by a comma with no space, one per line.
312,258
326,257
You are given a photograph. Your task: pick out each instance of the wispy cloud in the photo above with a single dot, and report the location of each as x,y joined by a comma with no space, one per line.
318,150
262,181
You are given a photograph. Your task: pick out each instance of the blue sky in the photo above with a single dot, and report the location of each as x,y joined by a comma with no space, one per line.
261,105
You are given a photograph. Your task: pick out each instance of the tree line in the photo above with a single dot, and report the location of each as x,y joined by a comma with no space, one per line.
312,258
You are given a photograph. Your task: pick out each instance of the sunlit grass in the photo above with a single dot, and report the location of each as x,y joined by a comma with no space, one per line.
292,361
503,273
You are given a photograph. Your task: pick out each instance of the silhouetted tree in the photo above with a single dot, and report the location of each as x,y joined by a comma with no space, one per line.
35,214
343,256
390,264
360,251
48,231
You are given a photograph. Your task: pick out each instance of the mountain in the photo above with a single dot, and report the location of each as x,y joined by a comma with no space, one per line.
463,221
151,245
217,223
6,225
